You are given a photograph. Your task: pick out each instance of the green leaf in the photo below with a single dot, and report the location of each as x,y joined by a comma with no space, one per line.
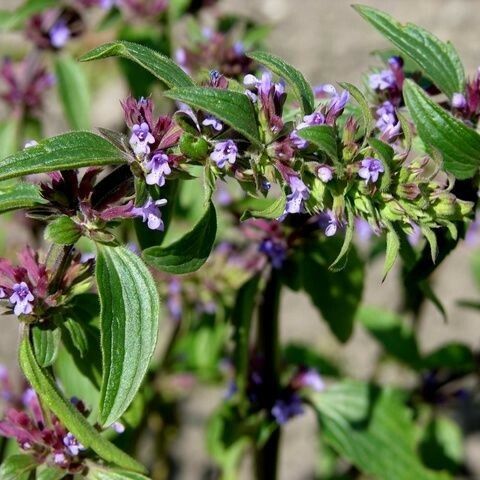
74,92
17,467
10,20
21,195
337,295
45,344
437,59
73,420
189,252
242,317
272,211
393,333
63,152
129,324
364,106
233,108
63,230
50,474
393,247
157,64
9,138
453,356
303,91
372,429
458,144
101,473
324,137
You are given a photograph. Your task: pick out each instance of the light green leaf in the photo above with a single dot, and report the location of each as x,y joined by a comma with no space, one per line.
458,144
391,254
233,108
21,195
50,474
294,78
101,473
274,210
372,429
129,324
45,344
364,106
63,230
189,252
17,467
73,420
437,59
63,152
157,64
74,92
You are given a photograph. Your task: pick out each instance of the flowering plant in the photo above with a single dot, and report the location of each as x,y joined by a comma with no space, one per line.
312,169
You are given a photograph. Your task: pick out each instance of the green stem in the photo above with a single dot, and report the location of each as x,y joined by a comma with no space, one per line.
266,456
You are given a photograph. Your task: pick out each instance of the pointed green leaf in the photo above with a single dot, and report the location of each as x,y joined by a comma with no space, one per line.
364,106
21,195
393,247
157,64
129,324
45,344
17,467
74,92
189,252
101,473
293,77
63,152
373,430
458,144
324,137
432,241
347,240
73,420
233,108
63,230
437,59
272,211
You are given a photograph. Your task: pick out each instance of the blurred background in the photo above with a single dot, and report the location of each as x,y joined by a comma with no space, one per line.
328,42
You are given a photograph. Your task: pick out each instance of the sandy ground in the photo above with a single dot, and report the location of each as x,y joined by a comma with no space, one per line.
328,41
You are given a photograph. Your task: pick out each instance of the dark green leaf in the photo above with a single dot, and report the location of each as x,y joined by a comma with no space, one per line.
189,252
63,230
294,78
458,144
159,65
372,429
393,333
233,108
21,195
73,420
17,467
437,59
337,295
74,92
129,324
63,152
274,210
45,344
324,137
453,356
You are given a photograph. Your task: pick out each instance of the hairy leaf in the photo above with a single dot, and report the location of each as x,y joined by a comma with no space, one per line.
45,344
274,210
21,195
63,230
322,136
129,324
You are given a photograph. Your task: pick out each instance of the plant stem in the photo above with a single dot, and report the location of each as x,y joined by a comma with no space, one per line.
266,457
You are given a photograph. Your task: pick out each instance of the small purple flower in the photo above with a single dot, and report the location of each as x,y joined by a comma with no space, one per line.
299,194
151,213
21,298
286,408
158,168
72,444
316,118
382,80
59,34
459,101
338,103
308,378
325,173
118,427
275,251
140,139
370,169
224,152
213,122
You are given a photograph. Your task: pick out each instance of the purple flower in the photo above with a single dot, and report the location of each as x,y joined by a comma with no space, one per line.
72,444
151,213
158,168
213,122
59,34
459,101
275,250
382,80
387,121
325,173
329,223
316,118
140,139
224,152
118,427
370,169
21,298
337,104
286,408
308,378
299,194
